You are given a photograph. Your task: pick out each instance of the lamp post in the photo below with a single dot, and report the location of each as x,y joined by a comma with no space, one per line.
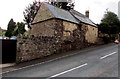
119,10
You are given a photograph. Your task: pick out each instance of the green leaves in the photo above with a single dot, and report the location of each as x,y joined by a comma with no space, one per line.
20,29
63,5
10,29
30,12
32,9
15,29
110,24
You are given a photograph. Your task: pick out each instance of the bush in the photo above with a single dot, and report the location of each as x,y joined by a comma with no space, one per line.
106,40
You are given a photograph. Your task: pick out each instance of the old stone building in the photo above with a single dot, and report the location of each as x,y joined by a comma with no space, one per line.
51,20
56,30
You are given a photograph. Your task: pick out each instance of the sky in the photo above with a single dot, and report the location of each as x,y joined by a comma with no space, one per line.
14,9
119,9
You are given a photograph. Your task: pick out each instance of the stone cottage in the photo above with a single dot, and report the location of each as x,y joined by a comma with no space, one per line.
56,30
51,20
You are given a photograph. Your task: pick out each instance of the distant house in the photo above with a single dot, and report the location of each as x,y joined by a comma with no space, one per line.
53,21
2,31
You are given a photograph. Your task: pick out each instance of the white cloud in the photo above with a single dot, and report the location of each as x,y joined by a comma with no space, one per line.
97,8
14,9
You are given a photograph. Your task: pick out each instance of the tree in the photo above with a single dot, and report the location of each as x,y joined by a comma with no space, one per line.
20,28
32,9
110,24
30,13
64,5
10,29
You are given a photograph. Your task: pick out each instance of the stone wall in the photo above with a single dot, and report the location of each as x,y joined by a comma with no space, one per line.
44,28
31,47
68,29
37,45
91,34
43,14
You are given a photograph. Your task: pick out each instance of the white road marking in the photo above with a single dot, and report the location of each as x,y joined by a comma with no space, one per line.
41,63
67,71
38,63
108,55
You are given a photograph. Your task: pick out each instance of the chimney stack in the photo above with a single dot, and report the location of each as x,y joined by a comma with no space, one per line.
87,13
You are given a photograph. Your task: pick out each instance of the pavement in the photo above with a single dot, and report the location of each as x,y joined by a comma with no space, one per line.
99,61
7,65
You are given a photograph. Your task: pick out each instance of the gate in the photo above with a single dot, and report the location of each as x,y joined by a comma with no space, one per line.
8,51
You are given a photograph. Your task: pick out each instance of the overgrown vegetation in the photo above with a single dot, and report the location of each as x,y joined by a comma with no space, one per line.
10,28
14,28
32,9
64,5
110,25
20,29
30,13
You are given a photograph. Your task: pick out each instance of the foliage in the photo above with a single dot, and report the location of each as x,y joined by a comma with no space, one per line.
63,5
3,33
10,29
32,10
30,13
110,24
15,29
20,29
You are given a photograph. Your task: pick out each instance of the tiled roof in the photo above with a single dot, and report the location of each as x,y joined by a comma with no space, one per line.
81,17
71,16
61,13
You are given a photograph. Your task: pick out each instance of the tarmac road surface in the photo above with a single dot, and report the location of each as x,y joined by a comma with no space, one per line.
100,62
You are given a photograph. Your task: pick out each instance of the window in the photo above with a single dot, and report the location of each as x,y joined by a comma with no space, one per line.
79,27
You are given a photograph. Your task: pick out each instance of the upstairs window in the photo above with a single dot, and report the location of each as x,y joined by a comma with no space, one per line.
79,27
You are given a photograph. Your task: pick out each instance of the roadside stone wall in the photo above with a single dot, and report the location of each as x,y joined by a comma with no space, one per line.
31,47
36,46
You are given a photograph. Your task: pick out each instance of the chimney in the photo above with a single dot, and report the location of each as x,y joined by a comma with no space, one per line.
87,13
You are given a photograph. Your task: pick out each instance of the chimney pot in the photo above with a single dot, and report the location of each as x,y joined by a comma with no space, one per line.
87,13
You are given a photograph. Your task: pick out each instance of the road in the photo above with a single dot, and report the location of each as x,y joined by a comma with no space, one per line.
100,62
